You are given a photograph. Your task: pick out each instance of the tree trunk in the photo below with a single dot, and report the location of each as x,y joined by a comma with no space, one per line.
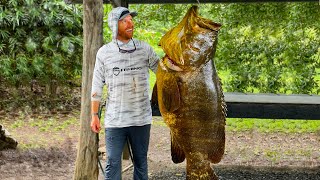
87,156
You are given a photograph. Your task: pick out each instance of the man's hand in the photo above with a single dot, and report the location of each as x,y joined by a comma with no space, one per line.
95,124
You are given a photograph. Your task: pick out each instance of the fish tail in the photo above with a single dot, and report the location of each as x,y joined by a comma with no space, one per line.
200,170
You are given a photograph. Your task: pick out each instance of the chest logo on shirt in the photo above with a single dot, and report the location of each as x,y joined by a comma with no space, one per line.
117,70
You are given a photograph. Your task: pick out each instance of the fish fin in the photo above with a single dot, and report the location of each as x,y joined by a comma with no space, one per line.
171,96
154,97
154,101
177,154
223,102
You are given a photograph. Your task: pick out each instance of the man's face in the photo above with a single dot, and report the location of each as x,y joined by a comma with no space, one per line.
125,28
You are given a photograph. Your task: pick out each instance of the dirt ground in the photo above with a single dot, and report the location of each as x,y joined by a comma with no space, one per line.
55,157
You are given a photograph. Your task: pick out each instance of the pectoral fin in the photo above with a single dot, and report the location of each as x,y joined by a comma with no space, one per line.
171,95
154,97
177,154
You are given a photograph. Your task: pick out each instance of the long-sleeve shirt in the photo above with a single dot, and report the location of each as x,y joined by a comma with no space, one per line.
126,76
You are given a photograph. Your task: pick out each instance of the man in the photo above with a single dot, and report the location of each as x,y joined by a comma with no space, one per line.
123,66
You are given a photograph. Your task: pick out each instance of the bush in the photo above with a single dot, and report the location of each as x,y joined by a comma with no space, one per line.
40,40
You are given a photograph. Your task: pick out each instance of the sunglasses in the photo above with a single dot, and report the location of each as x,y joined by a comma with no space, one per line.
127,51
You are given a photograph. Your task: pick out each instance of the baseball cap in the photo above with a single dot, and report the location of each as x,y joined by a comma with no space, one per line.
119,13
125,13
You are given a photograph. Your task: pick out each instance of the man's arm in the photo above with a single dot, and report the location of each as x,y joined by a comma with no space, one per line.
153,58
96,93
95,121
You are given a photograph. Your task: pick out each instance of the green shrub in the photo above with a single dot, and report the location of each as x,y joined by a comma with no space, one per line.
39,40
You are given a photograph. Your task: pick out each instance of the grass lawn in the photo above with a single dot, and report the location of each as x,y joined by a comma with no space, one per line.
273,125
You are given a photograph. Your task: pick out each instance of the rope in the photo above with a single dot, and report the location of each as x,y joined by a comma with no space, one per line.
99,115
100,165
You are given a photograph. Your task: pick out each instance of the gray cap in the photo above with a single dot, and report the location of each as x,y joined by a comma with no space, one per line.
125,13
115,15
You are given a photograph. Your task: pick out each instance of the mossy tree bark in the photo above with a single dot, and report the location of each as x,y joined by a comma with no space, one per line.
87,156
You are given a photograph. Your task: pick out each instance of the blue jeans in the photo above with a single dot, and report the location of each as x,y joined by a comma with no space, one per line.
138,137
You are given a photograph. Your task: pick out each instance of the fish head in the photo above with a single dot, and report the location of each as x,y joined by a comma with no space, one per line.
192,42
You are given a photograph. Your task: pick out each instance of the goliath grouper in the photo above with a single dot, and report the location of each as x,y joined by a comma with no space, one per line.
190,96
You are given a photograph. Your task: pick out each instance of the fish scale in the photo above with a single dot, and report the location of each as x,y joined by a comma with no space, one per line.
189,95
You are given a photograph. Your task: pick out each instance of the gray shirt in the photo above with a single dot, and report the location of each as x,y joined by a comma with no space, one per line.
126,76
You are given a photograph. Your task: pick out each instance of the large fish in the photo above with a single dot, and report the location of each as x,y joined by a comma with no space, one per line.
190,96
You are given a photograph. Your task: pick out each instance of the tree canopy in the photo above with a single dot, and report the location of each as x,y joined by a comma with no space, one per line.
263,47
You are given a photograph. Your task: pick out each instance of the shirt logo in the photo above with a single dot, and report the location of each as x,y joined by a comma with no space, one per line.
117,70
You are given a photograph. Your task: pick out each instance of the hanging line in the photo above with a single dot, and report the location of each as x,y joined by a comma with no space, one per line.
199,2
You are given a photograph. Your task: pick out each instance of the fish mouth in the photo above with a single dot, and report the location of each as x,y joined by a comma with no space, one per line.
188,44
168,62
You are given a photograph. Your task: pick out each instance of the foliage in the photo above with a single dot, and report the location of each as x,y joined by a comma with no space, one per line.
40,40
263,47
276,48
